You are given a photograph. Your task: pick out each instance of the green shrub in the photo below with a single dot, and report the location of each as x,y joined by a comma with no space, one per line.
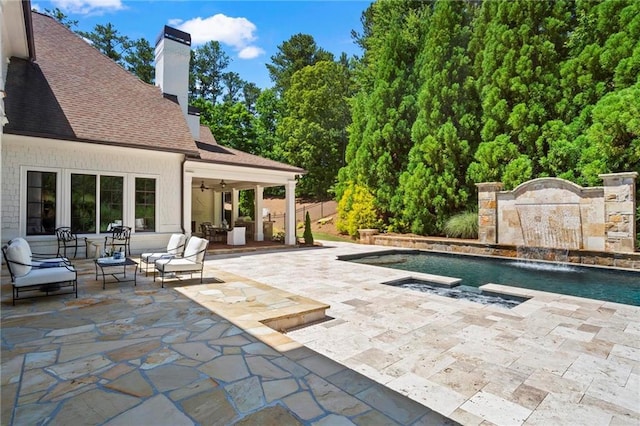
308,235
463,225
356,210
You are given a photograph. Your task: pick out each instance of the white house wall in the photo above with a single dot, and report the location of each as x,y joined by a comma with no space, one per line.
21,153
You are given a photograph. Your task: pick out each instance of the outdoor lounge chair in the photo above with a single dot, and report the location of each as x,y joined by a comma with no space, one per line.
191,261
37,276
175,247
37,259
69,240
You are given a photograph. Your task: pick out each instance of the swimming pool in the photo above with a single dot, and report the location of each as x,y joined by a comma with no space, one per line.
594,283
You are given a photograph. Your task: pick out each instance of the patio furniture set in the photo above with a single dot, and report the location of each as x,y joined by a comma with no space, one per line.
40,275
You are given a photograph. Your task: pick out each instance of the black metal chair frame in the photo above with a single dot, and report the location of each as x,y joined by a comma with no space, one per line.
53,287
120,237
198,267
68,240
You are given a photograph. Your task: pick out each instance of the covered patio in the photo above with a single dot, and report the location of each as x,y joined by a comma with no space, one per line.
215,179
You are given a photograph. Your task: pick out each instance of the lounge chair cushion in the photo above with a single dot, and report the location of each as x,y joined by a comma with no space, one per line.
16,252
195,249
49,263
21,242
177,265
176,244
46,276
174,248
192,260
152,257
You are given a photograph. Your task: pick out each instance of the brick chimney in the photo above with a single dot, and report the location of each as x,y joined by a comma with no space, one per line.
173,53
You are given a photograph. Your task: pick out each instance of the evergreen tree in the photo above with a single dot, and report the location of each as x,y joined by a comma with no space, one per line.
208,63
233,84
140,59
61,17
293,55
444,134
385,107
108,40
250,95
267,115
598,79
519,86
308,235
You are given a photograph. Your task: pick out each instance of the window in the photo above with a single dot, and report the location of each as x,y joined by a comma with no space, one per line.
83,203
41,203
111,201
145,205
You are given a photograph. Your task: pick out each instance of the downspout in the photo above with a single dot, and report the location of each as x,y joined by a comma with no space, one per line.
28,24
184,160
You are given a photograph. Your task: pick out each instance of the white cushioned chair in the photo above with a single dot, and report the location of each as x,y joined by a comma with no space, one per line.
175,248
236,236
44,276
191,261
36,259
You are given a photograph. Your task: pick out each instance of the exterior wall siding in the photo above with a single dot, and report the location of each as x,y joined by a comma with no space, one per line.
21,153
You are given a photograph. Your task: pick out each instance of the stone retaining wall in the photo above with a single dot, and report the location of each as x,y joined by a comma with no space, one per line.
584,257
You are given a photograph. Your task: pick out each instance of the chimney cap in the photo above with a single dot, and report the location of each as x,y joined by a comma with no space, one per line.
175,35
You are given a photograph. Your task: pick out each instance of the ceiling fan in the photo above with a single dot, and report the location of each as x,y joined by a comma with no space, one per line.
223,184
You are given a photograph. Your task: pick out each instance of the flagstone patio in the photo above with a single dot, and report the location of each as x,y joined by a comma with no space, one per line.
187,354
201,354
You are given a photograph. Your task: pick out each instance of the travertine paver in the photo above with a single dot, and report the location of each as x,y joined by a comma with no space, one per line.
554,359
147,355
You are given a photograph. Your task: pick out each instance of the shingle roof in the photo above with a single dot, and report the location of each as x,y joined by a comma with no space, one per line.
212,152
73,92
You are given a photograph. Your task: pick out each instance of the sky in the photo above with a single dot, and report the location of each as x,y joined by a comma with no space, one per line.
249,31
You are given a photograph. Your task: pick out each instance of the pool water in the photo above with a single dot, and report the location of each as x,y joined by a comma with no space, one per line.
594,283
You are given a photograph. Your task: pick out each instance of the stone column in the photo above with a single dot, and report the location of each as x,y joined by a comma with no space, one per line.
619,211
488,212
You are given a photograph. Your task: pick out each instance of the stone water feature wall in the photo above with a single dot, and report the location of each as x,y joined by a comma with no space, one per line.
558,214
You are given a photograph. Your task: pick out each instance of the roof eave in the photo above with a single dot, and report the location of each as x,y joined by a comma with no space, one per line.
186,152
291,169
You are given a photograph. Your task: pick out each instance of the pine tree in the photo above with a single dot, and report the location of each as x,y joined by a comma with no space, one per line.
385,108
308,235
444,134
519,86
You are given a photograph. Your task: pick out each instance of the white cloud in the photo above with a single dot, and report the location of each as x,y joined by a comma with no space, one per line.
250,52
235,32
86,7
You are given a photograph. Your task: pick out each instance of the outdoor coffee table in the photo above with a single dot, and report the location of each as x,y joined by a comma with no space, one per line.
109,263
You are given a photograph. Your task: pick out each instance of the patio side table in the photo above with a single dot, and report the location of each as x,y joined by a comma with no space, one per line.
110,263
